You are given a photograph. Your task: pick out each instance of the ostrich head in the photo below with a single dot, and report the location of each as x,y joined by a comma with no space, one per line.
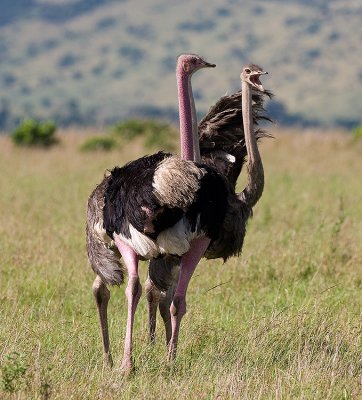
251,74
191,63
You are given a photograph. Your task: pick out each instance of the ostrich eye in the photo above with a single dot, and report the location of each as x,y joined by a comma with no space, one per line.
247,70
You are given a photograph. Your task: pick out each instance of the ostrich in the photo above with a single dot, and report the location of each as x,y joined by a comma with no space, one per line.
162,214
225,143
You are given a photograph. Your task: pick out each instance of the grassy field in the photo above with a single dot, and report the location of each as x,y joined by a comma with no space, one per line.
284,322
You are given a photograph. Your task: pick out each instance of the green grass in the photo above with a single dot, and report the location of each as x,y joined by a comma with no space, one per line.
285,323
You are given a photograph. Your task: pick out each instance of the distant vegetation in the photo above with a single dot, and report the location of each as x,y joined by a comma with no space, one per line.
127,68
34,133
357,133
99,143
155,135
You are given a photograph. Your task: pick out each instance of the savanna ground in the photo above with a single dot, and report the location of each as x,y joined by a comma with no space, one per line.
282,321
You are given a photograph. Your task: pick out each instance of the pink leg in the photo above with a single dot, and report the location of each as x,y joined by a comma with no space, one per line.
133,294
189,262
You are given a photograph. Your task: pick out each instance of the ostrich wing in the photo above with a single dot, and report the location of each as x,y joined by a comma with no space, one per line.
167,186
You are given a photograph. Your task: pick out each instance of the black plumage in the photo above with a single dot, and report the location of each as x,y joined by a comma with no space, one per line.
129,192
210,203
128,203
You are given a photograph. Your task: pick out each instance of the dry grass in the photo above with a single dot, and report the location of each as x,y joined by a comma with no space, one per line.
286,323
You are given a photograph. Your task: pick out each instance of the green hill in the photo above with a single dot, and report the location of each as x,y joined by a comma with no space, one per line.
94,62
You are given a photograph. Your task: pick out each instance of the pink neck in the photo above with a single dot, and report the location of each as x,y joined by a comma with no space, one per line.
185,111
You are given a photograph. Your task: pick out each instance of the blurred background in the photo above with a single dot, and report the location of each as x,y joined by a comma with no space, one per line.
94,62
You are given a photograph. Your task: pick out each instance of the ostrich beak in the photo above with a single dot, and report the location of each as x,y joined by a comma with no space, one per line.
255,81
209,65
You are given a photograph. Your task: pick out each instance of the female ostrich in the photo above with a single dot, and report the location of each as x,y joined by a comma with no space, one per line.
225,143
164,213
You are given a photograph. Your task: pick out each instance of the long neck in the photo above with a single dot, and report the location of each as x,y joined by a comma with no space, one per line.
188,123
255,185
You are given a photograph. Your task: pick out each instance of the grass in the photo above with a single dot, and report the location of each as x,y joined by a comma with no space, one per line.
284,322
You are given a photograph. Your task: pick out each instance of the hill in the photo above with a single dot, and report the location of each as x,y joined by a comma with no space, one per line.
93,62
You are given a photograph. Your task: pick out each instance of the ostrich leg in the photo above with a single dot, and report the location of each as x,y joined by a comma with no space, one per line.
165,304
102,295
153,297
133,294
163,300
189,263
156,298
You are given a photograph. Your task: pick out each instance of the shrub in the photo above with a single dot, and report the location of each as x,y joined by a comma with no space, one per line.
99,143
9,79
13,372
132,53
34,133
156,134
129,129
197,26
67,60
106,23
357,133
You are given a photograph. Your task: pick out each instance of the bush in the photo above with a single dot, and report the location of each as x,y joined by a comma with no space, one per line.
156,134
67,60
13,372
99,143
129,129
132,53
357,133
197,26
34,133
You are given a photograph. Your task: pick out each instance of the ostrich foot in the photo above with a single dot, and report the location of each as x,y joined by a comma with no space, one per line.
107,360
127,367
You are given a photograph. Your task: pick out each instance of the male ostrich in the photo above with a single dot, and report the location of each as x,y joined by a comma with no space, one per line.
164,213
225,142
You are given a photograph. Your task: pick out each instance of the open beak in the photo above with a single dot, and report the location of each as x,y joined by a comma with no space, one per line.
255,81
